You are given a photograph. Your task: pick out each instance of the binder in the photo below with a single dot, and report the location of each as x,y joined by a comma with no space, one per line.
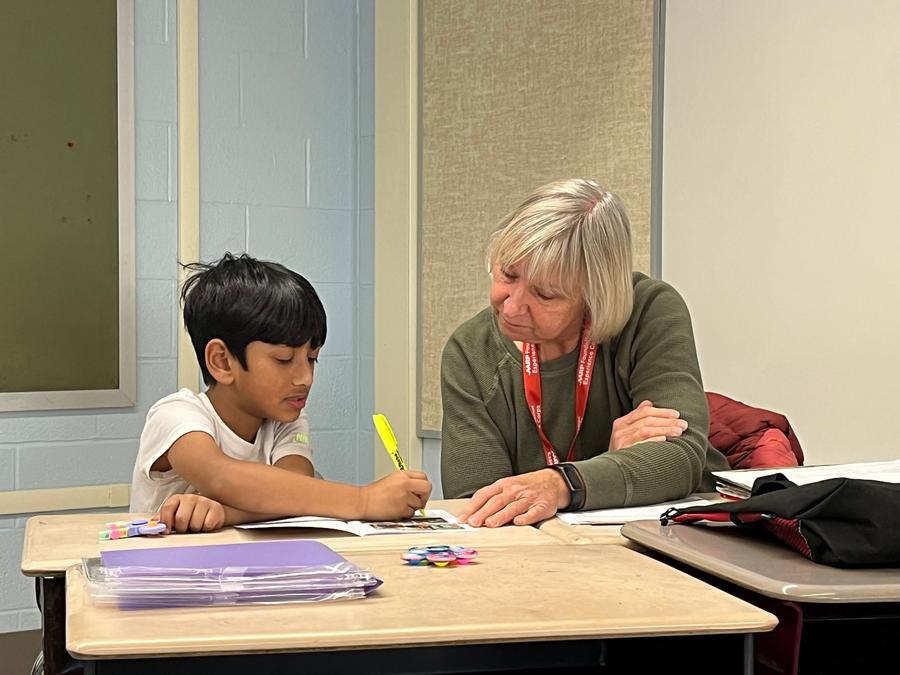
739,482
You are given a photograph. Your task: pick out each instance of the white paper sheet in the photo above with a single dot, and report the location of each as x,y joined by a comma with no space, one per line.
626,515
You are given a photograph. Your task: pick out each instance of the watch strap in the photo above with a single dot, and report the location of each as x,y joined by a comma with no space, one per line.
575,483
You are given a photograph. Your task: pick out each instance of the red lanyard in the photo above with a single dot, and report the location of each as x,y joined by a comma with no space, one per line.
531,373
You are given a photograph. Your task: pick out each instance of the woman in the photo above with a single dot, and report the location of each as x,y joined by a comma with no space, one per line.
578,388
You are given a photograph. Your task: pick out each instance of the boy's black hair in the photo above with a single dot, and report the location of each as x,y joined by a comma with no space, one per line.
242,299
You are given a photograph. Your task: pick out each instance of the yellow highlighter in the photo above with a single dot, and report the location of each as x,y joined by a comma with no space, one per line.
386,434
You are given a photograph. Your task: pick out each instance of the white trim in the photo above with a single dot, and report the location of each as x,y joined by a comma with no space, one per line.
126,394
127,269
396,225
188,173
656,135
17,502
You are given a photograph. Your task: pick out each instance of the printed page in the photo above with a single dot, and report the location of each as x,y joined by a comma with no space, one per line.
434,520
317,522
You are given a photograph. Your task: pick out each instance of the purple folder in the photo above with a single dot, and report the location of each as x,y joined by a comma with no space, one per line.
264,554
248,561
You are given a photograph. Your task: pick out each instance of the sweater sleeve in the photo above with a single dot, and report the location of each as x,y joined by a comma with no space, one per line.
473,451
657,359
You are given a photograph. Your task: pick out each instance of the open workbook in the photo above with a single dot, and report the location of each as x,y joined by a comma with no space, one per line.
739,482
434,520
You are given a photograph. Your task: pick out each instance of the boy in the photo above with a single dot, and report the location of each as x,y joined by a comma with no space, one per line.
240,452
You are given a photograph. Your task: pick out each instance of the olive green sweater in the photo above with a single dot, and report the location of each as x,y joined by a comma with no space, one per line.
488,431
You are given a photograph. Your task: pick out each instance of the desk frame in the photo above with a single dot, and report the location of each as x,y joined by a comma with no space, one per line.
51,600
621,655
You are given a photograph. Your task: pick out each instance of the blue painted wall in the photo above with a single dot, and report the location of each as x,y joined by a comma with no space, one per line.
286,174
275,80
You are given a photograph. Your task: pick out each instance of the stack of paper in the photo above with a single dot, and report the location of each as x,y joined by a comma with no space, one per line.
739,482
225,574
628,514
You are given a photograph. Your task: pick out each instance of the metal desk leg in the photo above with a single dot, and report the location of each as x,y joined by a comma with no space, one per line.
748,654
51,593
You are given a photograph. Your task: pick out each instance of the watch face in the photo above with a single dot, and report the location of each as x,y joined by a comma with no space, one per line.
573,477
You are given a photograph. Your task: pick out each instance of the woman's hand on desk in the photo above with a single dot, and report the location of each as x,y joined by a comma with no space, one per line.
524,500
191,513
646,423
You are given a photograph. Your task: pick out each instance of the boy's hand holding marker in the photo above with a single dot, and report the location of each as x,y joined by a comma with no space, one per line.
389,441
396,496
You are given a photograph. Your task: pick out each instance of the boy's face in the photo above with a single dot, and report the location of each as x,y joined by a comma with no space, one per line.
277,380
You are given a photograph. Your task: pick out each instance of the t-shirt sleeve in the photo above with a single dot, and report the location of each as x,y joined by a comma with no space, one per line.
292,439
167,421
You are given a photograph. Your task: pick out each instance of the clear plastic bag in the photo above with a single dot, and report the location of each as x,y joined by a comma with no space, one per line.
149,587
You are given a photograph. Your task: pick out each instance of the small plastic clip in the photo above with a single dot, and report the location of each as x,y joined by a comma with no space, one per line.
667,515
135,528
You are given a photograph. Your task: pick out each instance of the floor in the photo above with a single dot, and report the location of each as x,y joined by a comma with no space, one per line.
19,650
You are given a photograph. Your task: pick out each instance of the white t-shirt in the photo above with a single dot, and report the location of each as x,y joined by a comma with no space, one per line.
180,413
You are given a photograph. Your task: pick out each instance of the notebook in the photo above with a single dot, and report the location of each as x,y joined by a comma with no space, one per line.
739,482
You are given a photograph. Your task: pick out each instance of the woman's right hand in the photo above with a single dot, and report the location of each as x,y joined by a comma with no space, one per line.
397,495
646,423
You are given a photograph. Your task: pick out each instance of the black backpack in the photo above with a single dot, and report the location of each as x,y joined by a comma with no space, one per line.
844,522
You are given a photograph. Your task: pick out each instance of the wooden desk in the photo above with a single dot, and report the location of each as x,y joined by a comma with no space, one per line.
765,566
53,543
803,593
585,534
510,595
559,529
513,607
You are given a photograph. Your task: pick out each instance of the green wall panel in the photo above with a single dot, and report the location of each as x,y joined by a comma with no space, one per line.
59,319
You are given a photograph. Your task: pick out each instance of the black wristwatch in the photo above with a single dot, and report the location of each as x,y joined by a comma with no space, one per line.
575,484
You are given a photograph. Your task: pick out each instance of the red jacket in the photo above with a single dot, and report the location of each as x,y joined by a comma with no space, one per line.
751,437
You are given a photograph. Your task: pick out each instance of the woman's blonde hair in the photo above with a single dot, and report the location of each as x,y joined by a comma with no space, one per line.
573,238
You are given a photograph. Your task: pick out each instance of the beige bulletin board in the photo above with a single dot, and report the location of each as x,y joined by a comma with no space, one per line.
515,94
